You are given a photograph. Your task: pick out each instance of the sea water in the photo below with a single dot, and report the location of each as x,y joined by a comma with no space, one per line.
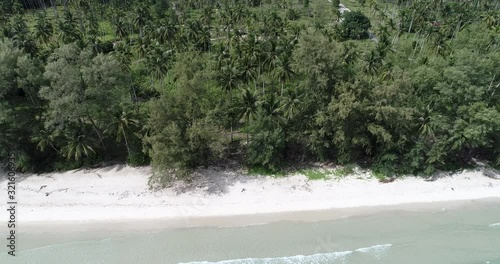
462,235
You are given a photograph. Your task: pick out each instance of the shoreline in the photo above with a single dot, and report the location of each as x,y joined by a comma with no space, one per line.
119,196
244,220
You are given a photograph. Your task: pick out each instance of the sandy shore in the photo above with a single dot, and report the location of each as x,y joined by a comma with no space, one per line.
121,194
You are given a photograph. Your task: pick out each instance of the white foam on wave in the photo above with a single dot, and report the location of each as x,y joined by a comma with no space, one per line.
377,251
495,225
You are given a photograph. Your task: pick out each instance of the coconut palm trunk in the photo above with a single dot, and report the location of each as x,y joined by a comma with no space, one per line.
99,135
126,141
54,7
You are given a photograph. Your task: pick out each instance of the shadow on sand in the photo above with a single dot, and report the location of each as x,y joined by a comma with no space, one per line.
212,181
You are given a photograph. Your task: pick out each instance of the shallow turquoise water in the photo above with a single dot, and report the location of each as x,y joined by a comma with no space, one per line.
465,235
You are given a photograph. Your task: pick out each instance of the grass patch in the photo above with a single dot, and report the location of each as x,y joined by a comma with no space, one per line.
379,175
315,174
259,170
344,171
107,31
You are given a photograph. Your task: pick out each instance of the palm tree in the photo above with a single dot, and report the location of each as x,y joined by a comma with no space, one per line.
82,5
44,139
54,8
92,25
81,9
271,55
164,33
19,28
141,46
207,16
123,54
373,62
123,123
140,17
248,73
440,45
248,106
21,36
157,63
68,28
296,29
223,56
192,31
283,70
226,19
291,103
229,76
318,26
490,18
77,146
271,107
350,53
253,51
43,28
120,28
426,129
204,41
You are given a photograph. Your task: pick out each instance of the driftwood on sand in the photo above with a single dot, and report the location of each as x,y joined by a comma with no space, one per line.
492,173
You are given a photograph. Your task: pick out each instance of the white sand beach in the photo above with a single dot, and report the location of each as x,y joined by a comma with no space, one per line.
122,193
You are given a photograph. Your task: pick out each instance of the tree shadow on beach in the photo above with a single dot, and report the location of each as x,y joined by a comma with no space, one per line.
23,176
211,181
107,168
19,176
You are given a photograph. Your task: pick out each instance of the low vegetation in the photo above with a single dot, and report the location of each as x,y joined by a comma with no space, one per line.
316,174
344,171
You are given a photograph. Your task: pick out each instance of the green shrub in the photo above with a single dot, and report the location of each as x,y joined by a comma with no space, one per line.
344,171
182,134
291,14
136,156
354,26
267,144
66,165
379,175
259,170
178,149
315,174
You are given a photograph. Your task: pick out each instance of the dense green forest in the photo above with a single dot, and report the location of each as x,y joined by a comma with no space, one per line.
402,86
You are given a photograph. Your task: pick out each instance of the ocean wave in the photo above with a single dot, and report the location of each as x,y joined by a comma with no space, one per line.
377,251
495,225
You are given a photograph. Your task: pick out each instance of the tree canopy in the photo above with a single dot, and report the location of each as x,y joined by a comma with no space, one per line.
354,25
183,84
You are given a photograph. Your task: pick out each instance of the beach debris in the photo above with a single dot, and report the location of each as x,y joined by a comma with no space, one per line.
487,170
43,186
387,180
124,195
58,190
491,173
436,176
